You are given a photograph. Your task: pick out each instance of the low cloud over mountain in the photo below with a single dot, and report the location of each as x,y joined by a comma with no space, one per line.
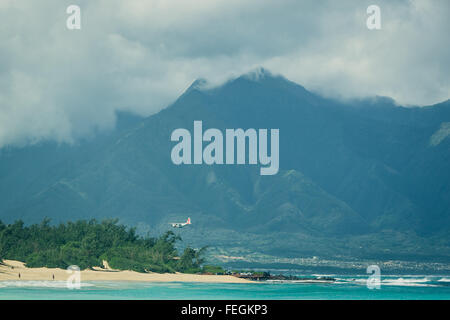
139,55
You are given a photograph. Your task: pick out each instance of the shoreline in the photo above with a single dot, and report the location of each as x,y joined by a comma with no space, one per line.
10,270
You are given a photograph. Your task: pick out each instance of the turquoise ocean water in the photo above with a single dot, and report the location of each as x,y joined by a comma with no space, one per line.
393,287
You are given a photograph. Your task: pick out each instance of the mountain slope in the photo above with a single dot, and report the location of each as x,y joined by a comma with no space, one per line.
347,169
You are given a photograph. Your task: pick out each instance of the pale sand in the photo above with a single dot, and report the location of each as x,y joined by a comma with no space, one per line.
10,270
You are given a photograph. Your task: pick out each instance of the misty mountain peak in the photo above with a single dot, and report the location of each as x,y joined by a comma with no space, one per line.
258,74
261,75
199,84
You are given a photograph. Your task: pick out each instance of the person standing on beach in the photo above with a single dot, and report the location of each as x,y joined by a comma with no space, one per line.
53,276
19,275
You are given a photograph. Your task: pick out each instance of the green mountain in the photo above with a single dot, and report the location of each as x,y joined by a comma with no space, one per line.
357,178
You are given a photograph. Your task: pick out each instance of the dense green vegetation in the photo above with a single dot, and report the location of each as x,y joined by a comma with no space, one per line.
87,243
213,269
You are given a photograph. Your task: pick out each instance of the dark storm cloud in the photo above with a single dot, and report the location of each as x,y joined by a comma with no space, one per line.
140,55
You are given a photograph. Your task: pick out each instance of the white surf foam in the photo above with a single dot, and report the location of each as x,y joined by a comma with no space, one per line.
405,282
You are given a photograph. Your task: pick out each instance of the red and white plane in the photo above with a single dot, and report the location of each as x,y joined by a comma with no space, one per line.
181,224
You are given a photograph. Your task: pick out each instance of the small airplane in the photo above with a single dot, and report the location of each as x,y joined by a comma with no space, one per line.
181,224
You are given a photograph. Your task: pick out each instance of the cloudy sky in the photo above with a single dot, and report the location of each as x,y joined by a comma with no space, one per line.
140,55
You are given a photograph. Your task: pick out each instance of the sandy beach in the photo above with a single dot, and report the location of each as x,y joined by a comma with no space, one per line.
10,270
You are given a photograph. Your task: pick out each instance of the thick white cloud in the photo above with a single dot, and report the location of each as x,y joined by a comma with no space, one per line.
140,55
